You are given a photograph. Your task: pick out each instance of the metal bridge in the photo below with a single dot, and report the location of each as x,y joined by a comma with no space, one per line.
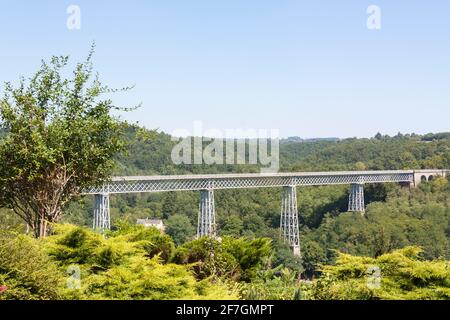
206,184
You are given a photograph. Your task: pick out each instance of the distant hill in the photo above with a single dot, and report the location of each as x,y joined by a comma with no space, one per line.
299,139
436,136
297,154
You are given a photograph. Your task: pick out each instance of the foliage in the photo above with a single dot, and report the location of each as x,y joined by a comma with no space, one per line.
403,275
237,259
180,228
9,220
382,152
249,254
119,267
154,242
273,284
141,278
207,258
416,217
25,270
284,256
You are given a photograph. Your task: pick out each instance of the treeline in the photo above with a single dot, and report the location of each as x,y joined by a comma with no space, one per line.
153,155
388,153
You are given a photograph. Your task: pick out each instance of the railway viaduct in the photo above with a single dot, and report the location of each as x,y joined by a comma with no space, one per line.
288,182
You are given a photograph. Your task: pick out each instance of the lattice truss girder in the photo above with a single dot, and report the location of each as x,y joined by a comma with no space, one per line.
192,183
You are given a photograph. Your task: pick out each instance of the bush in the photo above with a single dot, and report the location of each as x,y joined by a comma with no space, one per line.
237,259
207,258
73,245
249,254
25,270
152,240
273,284
119,266
403,275
142,278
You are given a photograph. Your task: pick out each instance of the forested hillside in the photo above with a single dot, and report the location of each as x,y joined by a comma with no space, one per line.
395,216
149,153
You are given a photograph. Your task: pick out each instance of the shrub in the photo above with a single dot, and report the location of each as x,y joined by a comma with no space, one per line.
249,254
25,270
152,240
273,284
207,258
238,259
403,275
142,278
119,266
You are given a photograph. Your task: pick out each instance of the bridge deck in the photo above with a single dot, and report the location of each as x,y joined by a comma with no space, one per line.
248,180
256,175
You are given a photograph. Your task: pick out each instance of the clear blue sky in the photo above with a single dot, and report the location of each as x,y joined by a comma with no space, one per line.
307,68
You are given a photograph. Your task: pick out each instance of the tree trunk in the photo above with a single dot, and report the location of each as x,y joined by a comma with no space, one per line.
42,228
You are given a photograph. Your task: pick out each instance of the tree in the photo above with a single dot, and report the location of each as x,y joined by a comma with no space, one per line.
254,225
60,138
180,228
233,226
360,166
168,206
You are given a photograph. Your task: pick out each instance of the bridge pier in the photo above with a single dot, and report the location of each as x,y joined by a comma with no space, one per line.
289,218
102,217
206,214
356,198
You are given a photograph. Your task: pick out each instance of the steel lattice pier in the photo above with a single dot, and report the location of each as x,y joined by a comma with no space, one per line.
289,218
101,212
356,198
206,214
